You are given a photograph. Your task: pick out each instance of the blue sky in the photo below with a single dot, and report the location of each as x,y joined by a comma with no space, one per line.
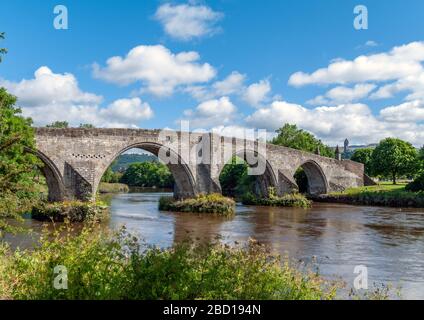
224,65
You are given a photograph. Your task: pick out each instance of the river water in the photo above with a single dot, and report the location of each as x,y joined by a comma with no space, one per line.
331,237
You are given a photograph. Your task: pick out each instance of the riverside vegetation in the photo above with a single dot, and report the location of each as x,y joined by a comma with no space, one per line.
204,203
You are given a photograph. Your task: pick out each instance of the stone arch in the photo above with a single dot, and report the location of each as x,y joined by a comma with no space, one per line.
53,177
185,185
317,181
266,180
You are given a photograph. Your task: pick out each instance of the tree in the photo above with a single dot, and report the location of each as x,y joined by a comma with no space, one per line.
421,158
364,156
17,189
234,178
394,158
58,124
148,174
292,137
2,50
86,126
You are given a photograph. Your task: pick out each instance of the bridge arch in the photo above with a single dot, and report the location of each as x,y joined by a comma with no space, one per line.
53,177
185,184
316,183
264,181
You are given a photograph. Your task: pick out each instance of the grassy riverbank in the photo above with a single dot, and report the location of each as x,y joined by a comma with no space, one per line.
105,187
288,200
211,203
72,211
111,266
388,195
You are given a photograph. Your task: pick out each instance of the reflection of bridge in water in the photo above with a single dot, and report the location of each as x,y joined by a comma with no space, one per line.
75,160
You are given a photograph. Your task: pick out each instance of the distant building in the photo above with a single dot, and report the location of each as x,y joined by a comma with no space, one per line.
346,146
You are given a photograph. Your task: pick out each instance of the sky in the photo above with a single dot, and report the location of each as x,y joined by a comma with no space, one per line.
223,65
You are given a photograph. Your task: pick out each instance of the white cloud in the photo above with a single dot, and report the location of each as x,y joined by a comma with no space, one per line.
232,84
400,62
53,97
185,21
343,94
48,87
256,93
157,68
412,111
211,113
371,43
334,124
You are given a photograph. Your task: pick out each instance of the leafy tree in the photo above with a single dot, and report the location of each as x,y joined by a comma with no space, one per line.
17,189
110,176
364,156
148,174
58,124
2,50
417,185
394,158
234,178
86,126
292,137
421,157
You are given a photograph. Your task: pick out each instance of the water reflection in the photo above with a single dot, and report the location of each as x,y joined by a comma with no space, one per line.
389,241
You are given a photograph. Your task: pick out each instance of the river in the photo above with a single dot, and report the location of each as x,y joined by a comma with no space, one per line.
332,237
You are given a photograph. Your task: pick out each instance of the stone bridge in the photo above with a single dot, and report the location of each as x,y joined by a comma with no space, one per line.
75,160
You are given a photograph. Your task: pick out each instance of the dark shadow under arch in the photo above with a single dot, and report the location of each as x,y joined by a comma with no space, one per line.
185,185
53,177
316,183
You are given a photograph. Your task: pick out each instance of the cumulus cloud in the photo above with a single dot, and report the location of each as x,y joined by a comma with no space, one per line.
211,113
412,111
343,94
334,124
50,97
400,62
256,93
232,84
186,21
158,69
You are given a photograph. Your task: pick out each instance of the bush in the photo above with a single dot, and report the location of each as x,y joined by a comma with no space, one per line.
286,200
416,185
105,187
104,266
74,211
211,203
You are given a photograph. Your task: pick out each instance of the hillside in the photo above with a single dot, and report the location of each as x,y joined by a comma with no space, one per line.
124,160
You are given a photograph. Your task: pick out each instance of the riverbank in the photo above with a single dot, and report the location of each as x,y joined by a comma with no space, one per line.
385,195
105,187
211,204
72,211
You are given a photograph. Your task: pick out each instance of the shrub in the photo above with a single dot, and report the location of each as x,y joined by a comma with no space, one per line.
416,185
286,200
101,265
74,211
210,203
105,187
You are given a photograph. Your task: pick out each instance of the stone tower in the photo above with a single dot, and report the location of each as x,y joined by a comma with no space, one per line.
346,146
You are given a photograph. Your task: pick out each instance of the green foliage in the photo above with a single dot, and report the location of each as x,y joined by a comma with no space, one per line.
2,50
302,180
364,156
235,180
17,189
394,158
287,200
105,187
292,137
110,176
125,160
58,125
387,195
72,211
86,126
148,174
210,203
113,266
417,185
421,158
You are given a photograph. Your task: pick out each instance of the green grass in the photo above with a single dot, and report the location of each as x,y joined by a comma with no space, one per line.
73,211
384,194
105,187
210,204
288,200
101,265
